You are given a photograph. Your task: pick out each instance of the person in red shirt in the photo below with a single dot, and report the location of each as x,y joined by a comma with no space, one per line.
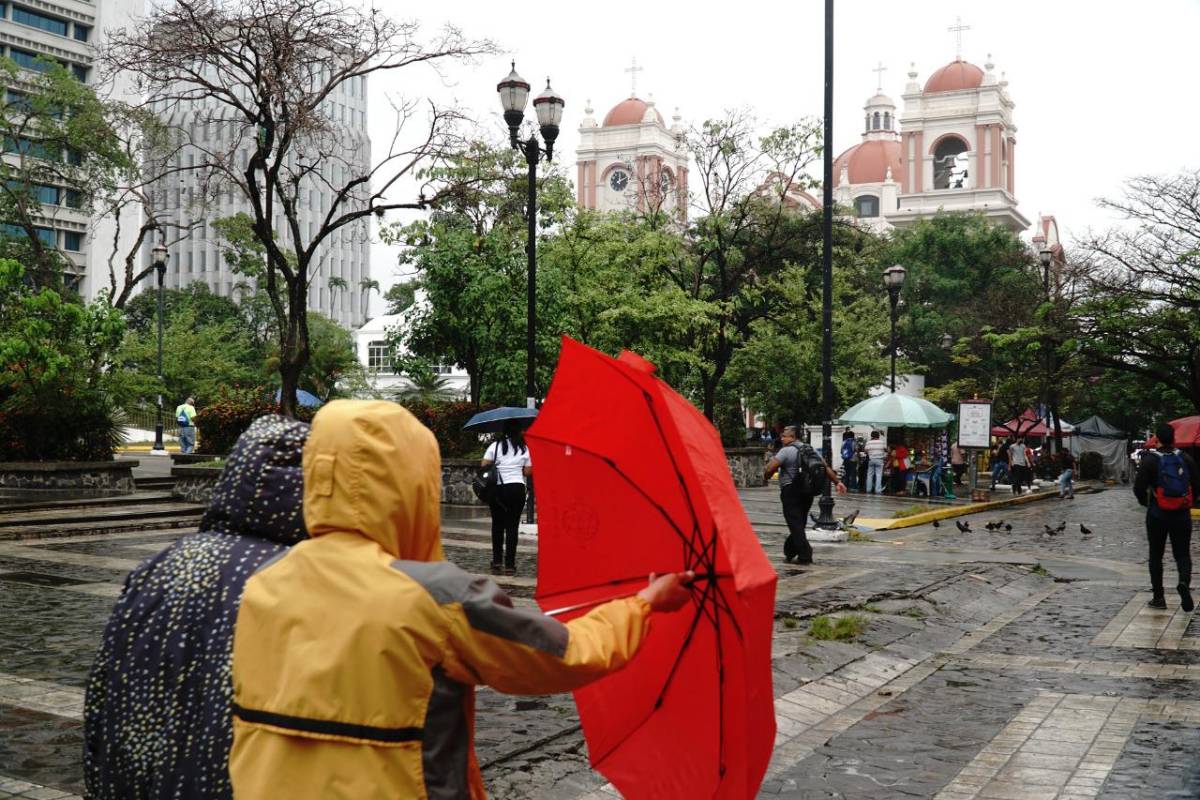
900,467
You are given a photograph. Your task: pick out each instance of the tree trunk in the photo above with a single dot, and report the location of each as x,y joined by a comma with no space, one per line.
289,376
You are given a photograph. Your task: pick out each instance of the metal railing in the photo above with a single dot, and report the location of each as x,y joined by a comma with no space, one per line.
139,424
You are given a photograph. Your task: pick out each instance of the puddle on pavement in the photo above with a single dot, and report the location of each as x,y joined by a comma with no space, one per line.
39,579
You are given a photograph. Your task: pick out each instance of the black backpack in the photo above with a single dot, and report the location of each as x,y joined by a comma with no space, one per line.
810,470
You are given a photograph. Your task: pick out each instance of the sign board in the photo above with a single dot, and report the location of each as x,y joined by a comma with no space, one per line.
975,423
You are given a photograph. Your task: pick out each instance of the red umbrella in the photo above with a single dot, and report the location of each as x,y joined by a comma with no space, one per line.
631,479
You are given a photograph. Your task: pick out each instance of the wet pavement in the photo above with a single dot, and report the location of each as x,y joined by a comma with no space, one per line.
1002,664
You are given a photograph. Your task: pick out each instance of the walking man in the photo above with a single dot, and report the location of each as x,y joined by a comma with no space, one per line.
795,497
1167,484
876,454
958,463
1018,463
185,415
849,464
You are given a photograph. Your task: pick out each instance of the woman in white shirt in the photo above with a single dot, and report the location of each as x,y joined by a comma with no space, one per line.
511,457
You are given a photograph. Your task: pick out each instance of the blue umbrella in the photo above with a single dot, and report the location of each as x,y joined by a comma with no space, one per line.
303,399
493,421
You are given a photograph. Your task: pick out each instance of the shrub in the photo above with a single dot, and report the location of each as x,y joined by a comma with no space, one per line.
222,421
842,628
446,420
1091,465
79,426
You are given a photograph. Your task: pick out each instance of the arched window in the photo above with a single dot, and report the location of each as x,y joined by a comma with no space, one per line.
868,123
866,205
950,164
887,120
876,121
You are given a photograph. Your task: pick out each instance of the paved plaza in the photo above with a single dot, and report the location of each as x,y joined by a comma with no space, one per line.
993,665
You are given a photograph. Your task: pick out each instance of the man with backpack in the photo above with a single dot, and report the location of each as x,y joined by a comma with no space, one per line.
802,473
1167,485
185,417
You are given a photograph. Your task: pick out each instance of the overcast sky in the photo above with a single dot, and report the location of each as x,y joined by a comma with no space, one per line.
1103,91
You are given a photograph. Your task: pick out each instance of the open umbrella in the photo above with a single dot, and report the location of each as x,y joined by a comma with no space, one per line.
303,399
896,411
1187,433
632,480
493,420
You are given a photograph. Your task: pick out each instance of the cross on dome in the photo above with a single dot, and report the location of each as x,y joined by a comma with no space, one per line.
957,28
633,70
879,72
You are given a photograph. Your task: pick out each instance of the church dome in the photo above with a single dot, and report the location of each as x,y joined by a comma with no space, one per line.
868,162
629,112
955,76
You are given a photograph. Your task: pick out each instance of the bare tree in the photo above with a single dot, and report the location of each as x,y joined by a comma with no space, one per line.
266,84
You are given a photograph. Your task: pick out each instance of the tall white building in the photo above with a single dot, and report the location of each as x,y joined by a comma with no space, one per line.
185,201
66,31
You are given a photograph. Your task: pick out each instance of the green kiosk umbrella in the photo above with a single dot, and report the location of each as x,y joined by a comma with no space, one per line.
896,411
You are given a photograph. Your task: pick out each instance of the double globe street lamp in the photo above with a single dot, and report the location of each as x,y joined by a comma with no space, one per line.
514,92
893,280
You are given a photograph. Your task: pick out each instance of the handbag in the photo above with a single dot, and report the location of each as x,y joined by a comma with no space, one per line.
486,482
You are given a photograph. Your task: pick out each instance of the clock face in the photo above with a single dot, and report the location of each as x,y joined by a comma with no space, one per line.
618,181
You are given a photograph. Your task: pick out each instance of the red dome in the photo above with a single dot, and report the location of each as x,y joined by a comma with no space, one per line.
868,162
956,75
629,112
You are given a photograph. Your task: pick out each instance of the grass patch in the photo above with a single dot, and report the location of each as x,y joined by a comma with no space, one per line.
1038,569
842,629
790,623
913,612
909,511
869,608
219,463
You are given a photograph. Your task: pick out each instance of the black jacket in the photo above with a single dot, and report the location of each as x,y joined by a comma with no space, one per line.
157,722
1147,479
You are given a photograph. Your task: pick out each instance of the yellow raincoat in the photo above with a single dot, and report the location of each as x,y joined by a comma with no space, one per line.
356,652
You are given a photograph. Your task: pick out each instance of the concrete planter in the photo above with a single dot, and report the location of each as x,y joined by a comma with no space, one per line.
456,481
195,484
184,459
86,478
746,465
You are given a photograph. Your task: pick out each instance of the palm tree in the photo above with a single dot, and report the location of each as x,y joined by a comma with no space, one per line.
366,286
335,284
426,386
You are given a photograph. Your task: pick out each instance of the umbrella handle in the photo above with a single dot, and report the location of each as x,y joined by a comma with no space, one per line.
704,576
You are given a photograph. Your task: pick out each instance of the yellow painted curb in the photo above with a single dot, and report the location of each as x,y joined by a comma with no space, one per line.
953,511
1196,513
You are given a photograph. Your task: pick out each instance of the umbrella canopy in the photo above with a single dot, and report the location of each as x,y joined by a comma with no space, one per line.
303,399
632,480
493,421
1098,427
1029,424
896,411
1187,433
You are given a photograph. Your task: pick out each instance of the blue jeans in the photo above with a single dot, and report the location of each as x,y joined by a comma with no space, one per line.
187,438
874,476
999,469
1066,483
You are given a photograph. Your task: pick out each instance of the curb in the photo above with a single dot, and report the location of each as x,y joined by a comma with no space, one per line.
974,508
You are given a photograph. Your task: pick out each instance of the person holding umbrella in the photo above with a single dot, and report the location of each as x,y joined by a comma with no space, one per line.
511,458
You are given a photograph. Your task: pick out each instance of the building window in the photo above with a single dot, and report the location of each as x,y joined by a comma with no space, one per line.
82,32
35,19
866,206
379,357
875,121
950,164
442,369
80,73
28,60
887,120
73,241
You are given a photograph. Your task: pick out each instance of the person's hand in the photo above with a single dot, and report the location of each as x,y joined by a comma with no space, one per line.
841,488
668,592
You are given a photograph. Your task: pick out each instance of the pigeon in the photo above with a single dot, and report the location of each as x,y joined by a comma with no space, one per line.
1062,526
1084,529
991,526
1050,531
937,524
963,527
1008,527
849,518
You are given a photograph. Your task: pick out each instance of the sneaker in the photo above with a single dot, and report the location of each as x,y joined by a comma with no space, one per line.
496,569
1157,602
1185,597
510,571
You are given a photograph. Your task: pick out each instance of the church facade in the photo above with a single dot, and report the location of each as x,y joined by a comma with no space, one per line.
632,161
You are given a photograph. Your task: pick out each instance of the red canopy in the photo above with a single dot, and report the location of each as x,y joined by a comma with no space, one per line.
631,479
1028,424
1187,433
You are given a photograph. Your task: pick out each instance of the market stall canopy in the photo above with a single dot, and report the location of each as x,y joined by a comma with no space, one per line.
896,411
1098,428
1187,433
1028,424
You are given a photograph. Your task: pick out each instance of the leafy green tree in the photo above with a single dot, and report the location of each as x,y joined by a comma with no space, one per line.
333,369
469,269
1143,315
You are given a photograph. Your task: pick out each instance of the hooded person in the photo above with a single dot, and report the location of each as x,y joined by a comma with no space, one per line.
357,651
157,720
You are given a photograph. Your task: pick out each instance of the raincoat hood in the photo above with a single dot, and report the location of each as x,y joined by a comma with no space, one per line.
260,490
371,468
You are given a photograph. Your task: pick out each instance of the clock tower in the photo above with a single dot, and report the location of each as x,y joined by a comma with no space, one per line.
632,161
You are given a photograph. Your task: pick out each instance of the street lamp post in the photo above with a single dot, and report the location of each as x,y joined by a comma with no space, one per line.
1046,257
159,259
893,279
548,105
825,504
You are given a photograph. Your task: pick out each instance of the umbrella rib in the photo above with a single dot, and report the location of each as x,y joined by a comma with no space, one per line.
700,576
613,466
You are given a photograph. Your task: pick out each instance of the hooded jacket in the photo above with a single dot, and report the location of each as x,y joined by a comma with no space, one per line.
157,712
356,652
